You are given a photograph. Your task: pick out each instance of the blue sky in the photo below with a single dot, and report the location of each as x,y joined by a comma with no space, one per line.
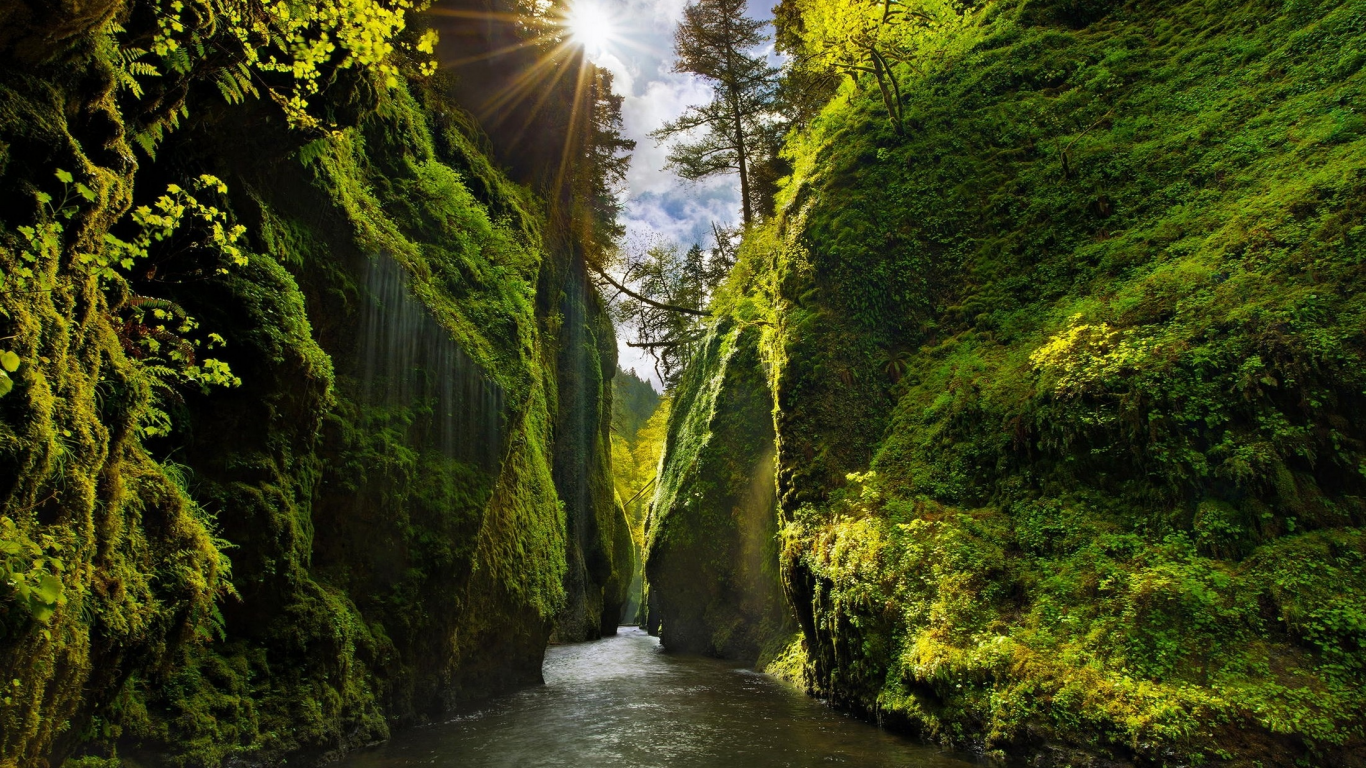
658,203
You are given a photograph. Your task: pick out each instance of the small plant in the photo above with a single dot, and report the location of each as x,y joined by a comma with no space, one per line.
895,365
153,332
31,570
9,363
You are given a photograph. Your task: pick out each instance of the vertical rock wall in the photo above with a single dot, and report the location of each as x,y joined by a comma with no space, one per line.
366,530
711,549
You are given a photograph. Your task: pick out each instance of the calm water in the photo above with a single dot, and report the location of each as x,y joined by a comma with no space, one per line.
622,701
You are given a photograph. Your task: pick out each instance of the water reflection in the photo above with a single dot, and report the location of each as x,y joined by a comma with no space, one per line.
621,701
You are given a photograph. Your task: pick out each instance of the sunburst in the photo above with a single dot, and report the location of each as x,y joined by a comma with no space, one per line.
591,27
569,38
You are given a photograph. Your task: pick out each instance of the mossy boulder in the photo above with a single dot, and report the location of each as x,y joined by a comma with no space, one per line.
711,549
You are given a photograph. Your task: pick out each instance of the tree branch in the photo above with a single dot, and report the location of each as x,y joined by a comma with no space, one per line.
642,490
657,305
657,344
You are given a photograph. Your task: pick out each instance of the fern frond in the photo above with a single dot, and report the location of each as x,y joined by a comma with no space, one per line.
310,152
162,375
147,141
128,83
129,68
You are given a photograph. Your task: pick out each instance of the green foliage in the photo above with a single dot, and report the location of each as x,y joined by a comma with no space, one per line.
1068,380
634,401
869,37
31,571
303,44
710,559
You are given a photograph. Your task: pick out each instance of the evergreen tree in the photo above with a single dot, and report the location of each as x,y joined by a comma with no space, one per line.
606,156
609,156
715,41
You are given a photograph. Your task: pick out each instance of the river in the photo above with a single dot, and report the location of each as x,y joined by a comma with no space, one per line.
622,701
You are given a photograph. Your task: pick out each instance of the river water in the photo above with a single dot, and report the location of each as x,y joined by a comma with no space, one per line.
622,701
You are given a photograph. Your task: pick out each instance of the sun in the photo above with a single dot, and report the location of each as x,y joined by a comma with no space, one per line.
590,26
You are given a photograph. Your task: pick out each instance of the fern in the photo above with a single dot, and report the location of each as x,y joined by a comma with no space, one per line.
310,152
129,68
235,84
148,140
165,305
161,376
152,135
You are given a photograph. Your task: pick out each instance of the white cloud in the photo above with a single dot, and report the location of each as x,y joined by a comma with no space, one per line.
664,99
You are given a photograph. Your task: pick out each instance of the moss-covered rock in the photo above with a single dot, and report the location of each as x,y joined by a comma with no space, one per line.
383,479
1068,385
711,551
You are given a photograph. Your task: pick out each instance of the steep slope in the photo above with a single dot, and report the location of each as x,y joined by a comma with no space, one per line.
360,522
1068,383
710,557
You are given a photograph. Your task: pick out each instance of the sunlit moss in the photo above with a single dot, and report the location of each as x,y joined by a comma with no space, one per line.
1065,375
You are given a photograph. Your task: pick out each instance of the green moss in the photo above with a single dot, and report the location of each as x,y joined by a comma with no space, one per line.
710,559
1063,372
140,570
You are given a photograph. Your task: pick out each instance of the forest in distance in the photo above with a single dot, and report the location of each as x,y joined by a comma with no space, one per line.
682,382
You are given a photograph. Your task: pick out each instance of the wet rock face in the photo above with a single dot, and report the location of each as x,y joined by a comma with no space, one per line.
598,568
711,561
407,358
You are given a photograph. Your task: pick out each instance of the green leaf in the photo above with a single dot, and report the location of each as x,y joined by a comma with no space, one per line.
49,589
6,384
9,361
86,192
64,176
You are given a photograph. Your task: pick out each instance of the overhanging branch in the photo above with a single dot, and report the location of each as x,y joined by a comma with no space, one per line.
656,304
666,343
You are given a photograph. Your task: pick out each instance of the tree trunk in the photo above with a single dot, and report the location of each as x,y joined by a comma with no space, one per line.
742,159
741,155
893,106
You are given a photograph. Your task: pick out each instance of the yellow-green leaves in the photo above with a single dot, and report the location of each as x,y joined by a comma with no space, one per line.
303,41
30,571
1084,356
872,37
162,220
9,363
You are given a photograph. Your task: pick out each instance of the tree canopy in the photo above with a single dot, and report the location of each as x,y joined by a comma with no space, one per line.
735,130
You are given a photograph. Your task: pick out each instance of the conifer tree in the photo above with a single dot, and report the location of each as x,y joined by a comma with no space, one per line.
607,158
716,41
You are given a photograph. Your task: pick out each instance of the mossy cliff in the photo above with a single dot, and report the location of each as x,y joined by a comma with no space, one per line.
368,517
710,558
1068,384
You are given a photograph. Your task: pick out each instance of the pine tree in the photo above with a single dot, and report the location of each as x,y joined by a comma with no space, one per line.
715,41
609,156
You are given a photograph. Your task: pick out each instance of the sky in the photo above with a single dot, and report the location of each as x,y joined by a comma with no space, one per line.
639,53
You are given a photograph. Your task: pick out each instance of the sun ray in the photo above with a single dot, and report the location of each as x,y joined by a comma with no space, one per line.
537,76
575,115
591,27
